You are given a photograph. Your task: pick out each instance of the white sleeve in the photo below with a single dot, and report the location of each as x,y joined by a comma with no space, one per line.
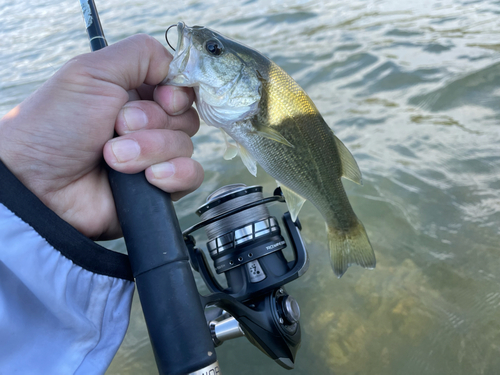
64,300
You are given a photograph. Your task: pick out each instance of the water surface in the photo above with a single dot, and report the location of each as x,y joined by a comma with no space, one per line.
412,88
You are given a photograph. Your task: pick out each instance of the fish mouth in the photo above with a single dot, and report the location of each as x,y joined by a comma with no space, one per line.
177,75
180,40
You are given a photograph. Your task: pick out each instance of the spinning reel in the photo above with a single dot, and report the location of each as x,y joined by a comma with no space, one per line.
245,245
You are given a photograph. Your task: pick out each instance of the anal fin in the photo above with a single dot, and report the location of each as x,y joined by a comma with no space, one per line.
248,160
231,150
350,169
293,201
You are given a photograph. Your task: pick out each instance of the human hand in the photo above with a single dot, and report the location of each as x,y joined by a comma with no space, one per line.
55,140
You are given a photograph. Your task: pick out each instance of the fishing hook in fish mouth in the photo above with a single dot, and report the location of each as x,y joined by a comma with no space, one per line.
166,36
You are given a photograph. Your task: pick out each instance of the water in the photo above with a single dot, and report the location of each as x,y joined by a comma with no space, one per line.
412,88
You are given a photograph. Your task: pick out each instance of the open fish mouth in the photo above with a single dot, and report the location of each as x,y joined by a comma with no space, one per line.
180,40
180,27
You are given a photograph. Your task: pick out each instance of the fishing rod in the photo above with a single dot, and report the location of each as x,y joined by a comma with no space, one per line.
246,246
159,261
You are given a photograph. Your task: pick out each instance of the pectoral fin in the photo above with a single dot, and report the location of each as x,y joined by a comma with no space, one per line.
270,133
293,201
248,160
231,150
350,169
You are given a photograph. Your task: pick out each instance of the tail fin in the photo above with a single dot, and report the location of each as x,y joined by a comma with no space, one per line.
350,247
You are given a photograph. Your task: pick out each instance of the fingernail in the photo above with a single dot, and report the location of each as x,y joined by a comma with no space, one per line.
163,170
125,150
135,118
180,100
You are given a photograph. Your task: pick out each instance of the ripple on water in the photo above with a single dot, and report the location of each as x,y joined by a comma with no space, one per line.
390,76
342,69
477,88
412,89
403,33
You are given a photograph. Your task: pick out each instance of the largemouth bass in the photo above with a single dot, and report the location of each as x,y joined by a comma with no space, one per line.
274,123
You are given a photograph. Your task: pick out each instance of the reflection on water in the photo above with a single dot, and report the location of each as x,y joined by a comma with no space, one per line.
412,88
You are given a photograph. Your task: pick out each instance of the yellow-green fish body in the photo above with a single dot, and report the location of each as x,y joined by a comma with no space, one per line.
275,124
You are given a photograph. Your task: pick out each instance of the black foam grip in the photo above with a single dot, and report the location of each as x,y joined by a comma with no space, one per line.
170,301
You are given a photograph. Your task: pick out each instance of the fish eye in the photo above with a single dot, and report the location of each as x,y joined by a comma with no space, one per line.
214,47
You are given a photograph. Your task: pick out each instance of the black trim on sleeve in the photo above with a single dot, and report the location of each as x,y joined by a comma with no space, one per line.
58,233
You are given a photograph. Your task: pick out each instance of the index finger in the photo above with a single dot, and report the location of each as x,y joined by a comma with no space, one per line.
129,63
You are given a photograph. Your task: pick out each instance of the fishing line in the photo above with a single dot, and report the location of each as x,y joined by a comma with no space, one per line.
225,225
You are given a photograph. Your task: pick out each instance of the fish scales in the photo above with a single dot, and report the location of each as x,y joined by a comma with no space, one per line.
275,124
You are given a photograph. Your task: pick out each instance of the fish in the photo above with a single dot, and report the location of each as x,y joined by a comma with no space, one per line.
274,123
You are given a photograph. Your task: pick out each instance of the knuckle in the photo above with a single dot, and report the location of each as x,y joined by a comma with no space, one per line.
143,39
189,173
186,143
173,143
76,68
194,120
147,42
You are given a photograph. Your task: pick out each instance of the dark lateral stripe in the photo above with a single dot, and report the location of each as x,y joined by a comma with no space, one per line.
58,233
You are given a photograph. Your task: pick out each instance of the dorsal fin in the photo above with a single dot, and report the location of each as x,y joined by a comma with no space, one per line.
350,169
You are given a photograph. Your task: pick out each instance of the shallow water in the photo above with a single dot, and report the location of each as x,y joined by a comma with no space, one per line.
412,88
